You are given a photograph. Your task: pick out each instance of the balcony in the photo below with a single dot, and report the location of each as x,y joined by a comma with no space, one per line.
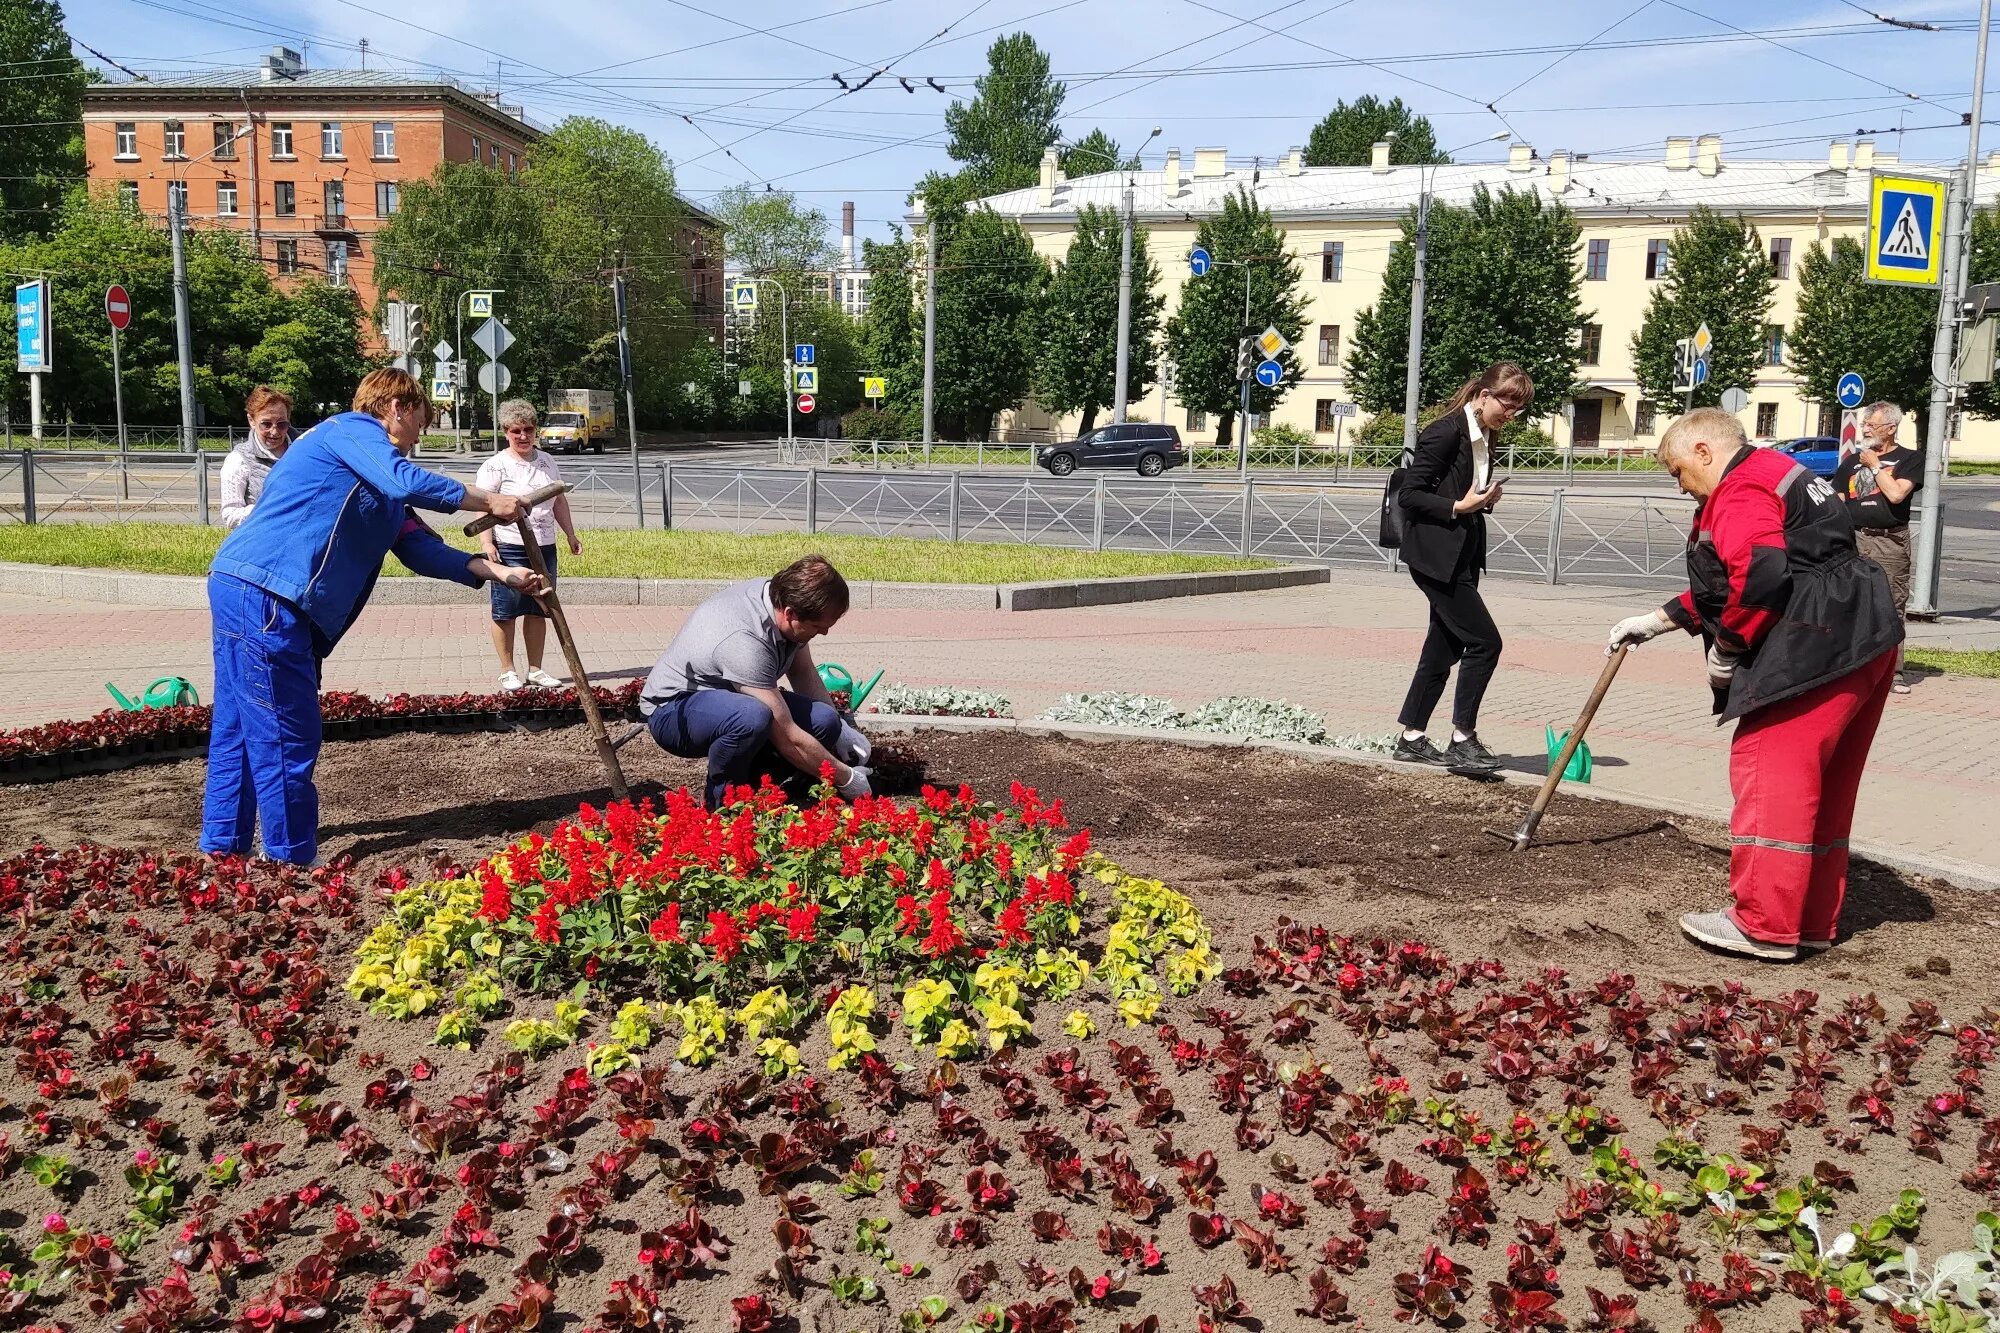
334,224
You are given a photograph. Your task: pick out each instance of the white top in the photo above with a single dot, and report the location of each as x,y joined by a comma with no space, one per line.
510,474
1482,456
243,473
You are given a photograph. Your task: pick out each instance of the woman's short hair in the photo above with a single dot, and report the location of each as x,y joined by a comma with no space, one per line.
811,587
516,412
1710,424
379,388
264,396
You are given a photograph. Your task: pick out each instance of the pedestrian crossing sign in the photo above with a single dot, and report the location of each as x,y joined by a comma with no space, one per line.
1905,230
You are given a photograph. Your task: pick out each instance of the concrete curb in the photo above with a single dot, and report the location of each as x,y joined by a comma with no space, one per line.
1965,874
185,591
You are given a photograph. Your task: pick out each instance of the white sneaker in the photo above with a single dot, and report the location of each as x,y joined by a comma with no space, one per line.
541,678
509,682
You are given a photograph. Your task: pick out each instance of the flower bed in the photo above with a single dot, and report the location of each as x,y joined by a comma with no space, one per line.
1234,715
742,917
939,701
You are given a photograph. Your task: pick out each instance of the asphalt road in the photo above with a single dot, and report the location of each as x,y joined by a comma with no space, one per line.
1612,528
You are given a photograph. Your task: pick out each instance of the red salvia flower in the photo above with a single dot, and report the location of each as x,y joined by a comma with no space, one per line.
723,936
666,927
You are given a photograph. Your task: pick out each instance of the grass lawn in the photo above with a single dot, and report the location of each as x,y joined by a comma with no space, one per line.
177,548
1978,662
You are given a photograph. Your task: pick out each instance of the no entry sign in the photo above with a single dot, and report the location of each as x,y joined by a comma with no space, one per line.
117,306
806,403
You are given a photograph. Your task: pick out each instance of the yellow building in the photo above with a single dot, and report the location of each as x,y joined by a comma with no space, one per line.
1341,222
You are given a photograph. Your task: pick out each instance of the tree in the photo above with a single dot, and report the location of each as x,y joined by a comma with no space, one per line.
1079,341
770,233
1348,135
1095,153
1503,283
892,339
1203,335
990,286
1001,134
1719,275
41,104
1845,323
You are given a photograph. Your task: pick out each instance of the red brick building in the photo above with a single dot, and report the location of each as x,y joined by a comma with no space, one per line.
309,164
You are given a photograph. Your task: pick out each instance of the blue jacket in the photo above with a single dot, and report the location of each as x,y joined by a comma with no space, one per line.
337,502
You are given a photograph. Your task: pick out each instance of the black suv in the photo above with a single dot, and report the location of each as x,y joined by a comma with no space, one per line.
1136,444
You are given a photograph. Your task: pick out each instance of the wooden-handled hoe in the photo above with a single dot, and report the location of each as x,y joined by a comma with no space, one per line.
1522,836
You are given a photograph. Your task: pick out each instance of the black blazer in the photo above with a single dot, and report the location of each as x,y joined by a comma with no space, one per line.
1436,542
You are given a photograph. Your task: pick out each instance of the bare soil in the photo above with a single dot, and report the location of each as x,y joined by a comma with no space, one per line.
1252,838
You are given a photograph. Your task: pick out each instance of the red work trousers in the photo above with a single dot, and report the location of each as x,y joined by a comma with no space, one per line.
1795,768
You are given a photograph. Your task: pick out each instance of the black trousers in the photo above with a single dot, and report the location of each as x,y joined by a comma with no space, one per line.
1462,634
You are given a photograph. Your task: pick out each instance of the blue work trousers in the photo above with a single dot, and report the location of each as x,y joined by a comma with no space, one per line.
733,731
264,739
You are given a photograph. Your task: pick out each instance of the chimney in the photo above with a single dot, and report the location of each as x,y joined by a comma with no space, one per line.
1993,160
1170,178
1864,154
1293,162
1887,157
1051,177
1708,154
1677,152
1378,157
847,234
1211,163
1520,158
1836,155
1559,172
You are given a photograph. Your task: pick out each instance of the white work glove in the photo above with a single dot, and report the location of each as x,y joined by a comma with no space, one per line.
1721,667
1635,630
857,782
853,747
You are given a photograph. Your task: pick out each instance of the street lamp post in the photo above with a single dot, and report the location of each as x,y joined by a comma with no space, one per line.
1118,399
183,337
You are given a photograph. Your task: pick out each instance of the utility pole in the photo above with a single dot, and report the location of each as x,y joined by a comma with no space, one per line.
1243,415
176,225
631,416
1944,374
1413,373
930,328
1124,309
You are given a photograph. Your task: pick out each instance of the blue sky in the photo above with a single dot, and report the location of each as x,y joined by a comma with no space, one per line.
730,103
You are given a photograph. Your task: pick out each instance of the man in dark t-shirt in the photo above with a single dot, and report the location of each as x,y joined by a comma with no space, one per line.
1880,481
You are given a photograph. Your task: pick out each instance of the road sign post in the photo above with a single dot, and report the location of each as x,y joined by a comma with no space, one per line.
493,338
479,304
874,387
1199,262
1851,389
806,404
118,312
32,350
1906,225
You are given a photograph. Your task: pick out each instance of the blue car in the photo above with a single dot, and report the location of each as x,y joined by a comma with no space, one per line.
1821,453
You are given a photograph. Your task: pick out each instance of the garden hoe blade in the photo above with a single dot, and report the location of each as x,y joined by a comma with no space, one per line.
1522,836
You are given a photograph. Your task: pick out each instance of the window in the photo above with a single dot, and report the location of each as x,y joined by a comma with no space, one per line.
1323,417
177,197
475,150
1656,260
128,195
1774,344
176,139
1642,420
128,138
1597,261
1829,419
1781,257
1767,420
281,138
1197,421
512,164
336,263
1329,344
336,199
225,141
225,199
385,199
332,142
385,138
1332,258
494,149
1591,342
288,256
284,199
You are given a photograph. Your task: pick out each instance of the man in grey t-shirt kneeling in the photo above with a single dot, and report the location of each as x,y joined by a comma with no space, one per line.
714,692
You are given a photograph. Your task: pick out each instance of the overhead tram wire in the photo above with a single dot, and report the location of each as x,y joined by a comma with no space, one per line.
1807,55
1641,8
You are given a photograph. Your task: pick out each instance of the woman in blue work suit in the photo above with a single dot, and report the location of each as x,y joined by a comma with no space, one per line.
287,584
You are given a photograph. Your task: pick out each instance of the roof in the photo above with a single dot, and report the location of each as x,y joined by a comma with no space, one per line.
1638,189
250,79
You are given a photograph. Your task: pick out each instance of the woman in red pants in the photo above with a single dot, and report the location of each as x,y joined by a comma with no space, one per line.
1802,632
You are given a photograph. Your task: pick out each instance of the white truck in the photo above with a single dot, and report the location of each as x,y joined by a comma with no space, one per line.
578,419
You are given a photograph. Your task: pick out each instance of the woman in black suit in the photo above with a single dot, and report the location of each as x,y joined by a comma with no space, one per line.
1447,491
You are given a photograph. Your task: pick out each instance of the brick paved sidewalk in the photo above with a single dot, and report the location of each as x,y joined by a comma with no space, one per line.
1345,650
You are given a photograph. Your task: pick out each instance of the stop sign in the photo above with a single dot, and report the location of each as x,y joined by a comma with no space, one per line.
805,403
117,306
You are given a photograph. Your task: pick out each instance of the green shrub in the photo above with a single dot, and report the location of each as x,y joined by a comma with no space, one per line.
1284,439
881,423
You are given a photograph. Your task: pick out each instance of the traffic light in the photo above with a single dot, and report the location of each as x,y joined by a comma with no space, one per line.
1246,358
413,330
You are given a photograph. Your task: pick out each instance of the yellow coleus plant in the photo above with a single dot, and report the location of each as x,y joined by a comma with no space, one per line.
847,1024
769,1008
927,1006
704,1029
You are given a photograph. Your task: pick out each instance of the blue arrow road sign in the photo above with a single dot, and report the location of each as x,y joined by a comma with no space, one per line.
802,355
1701,370
1270,374
1199,261
1851,389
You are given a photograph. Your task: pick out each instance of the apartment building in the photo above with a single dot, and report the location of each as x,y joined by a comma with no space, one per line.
1340,223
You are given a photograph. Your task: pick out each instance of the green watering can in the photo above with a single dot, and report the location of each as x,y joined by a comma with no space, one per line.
166,692
834,676
1578,767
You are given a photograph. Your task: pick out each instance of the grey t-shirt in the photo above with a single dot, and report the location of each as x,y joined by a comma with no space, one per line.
730,641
